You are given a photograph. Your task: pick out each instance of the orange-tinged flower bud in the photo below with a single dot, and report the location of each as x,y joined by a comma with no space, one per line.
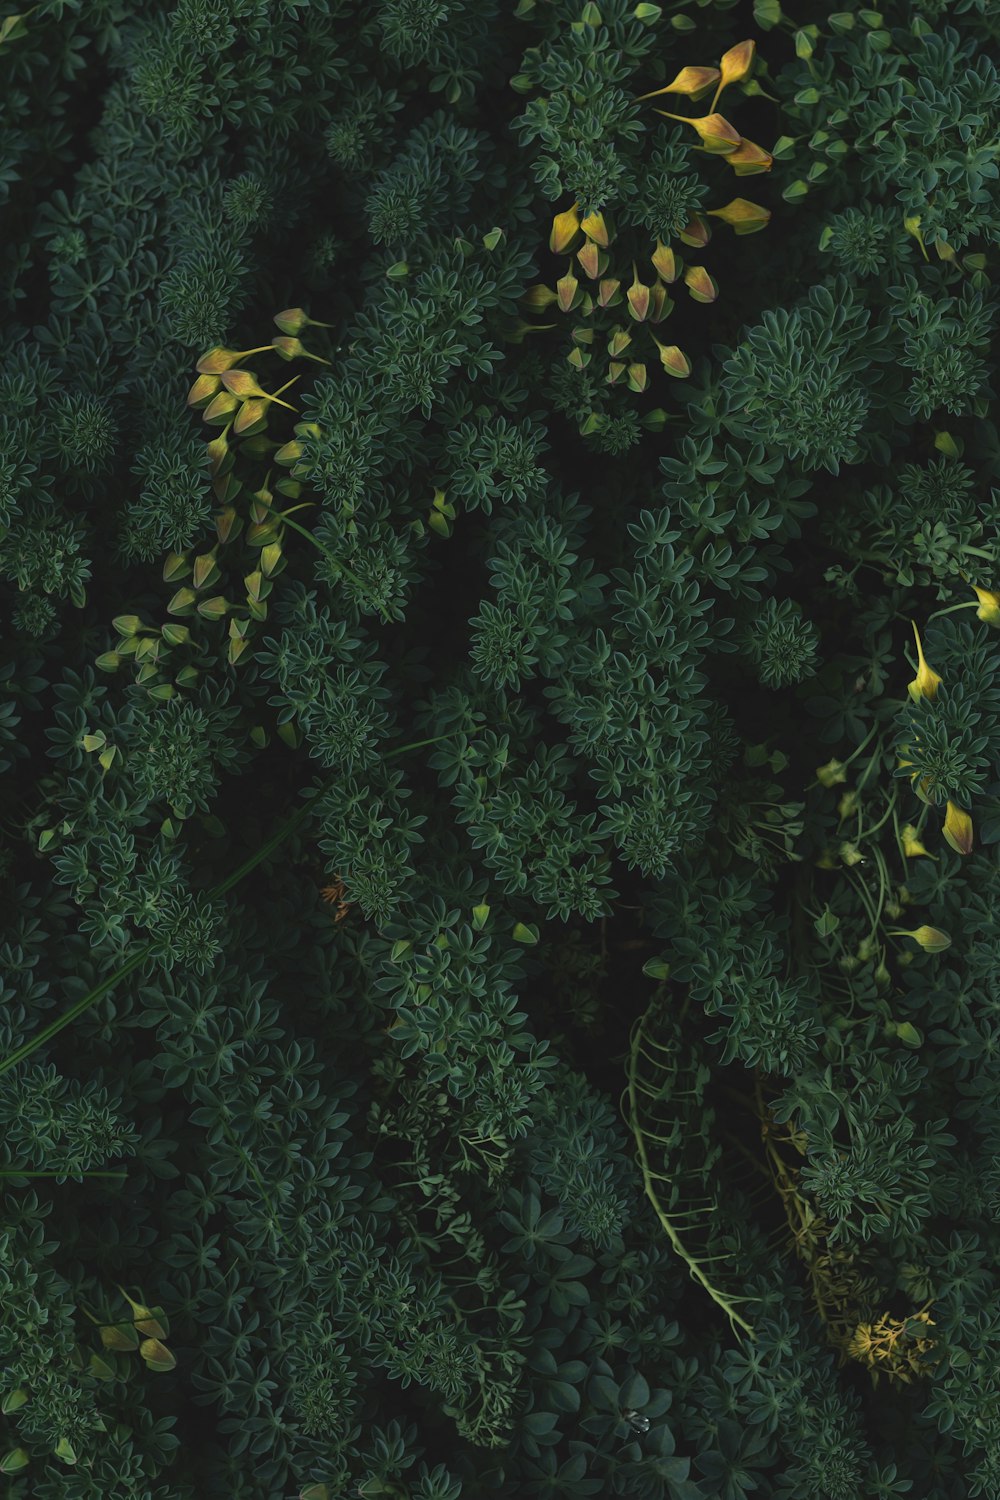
672,359
989,606
565,228
590,259
567,288
221,407
958,829
927,681
619,342
696,233
616,370
748,159
595,228
717,135
293,319
609,292
832,774
694,83
700,284
204,388
666,262
638,297
742,216
735,64
661,304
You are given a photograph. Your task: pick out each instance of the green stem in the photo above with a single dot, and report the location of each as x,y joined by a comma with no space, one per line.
967,604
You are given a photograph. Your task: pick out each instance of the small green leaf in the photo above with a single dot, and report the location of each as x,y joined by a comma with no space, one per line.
909,1035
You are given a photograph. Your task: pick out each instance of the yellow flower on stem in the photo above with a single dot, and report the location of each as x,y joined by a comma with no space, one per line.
912,847
931,939
716,133
742,216
735,66
927,681
989,605
748,159
692,82
565,228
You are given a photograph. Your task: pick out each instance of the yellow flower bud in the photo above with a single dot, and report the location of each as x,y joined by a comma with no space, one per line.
927,681
958,829
700,284
666,262
737,62
716,133
748,159
671,358
692,82
742,216
638,297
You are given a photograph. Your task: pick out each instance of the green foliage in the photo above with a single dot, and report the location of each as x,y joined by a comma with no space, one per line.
499,808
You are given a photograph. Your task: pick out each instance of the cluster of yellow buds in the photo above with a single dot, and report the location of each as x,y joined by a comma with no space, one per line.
614,295
718,137
232,398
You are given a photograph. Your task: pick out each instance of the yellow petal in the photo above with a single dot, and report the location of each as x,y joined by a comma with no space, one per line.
716,132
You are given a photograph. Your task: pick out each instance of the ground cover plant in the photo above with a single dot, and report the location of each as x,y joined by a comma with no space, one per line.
500,749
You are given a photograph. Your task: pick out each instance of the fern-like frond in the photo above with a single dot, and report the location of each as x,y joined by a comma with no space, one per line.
665,1107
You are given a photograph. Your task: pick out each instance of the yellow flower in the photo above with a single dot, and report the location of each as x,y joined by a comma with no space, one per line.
958,829
989,606
734,66
742,216
931,939
716,133
927,681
